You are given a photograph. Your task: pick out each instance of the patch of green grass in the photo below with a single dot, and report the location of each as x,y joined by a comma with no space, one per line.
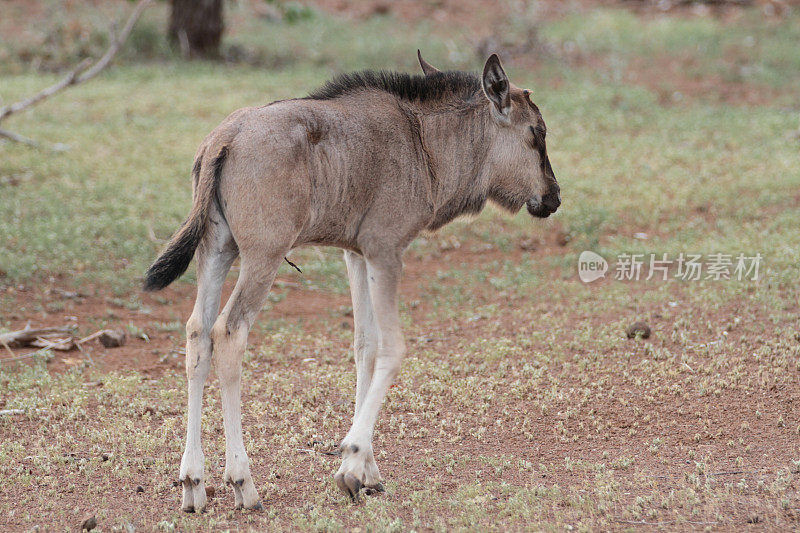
747,50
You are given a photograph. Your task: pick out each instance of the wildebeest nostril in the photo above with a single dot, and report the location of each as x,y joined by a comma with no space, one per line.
552,200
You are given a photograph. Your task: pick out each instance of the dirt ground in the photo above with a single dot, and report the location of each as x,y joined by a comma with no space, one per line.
691,433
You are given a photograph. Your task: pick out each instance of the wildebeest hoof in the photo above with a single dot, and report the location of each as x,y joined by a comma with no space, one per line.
194,495
358,470
377,488
245,495
257,507
349,484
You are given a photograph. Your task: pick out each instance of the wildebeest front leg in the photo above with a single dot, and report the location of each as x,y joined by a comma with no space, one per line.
358,467
365,334
365,347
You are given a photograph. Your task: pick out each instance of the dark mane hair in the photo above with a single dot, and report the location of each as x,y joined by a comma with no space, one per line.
461,85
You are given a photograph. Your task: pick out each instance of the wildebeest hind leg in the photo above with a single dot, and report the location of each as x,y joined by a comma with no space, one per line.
214,259
229,336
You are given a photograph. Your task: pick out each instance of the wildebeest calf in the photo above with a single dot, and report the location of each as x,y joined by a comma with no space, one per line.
365,163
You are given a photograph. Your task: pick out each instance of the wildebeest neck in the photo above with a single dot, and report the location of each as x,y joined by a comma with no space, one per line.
457,145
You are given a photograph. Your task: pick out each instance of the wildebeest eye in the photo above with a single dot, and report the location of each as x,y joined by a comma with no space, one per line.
538,137
538,131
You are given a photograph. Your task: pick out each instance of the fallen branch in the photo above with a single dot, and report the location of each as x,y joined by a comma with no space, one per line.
25,337
81,73
46,339
70,79
63,345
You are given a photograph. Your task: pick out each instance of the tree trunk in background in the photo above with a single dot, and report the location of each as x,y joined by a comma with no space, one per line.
196,26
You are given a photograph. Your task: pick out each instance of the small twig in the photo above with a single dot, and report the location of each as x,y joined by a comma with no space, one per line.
62,344
116,42
25,356
293,265
726,473
336,453
11,136
643,523
151,234
8,349
80,349
89,337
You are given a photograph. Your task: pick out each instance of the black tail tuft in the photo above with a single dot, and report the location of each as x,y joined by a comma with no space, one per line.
176,258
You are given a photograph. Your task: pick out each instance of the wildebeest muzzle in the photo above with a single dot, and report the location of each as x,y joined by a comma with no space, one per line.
544,206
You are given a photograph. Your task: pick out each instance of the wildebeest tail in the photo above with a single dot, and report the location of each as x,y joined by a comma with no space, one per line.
175,258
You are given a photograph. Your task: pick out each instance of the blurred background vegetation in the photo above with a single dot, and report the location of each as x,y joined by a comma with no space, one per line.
664,116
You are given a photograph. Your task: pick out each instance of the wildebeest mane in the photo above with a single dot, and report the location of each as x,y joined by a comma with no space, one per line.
442,85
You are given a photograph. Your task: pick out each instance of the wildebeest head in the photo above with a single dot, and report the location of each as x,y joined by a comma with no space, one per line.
516,156
521,171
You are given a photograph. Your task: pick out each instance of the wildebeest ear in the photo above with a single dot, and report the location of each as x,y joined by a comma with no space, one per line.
496,86
427,68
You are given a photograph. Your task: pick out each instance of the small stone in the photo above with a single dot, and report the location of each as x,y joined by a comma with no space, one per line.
89,524
113,338
563,238
210,492
139,488
529,245
381,8
638,329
